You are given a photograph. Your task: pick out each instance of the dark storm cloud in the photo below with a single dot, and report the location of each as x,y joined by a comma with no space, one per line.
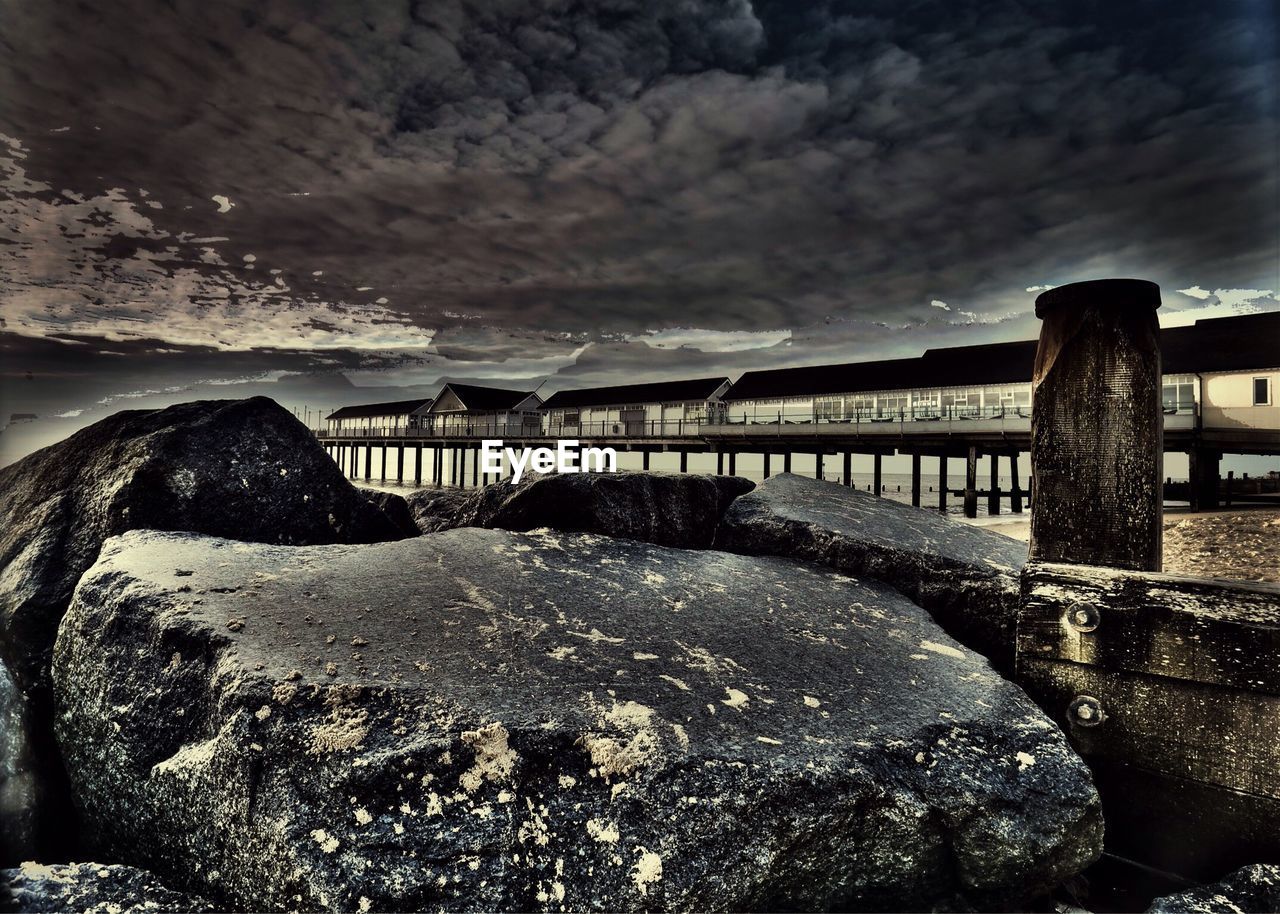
391,175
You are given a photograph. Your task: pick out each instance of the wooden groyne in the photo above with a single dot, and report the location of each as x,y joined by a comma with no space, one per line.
1168,686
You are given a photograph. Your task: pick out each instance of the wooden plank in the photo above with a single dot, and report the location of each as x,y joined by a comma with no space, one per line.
1192,629
1226,737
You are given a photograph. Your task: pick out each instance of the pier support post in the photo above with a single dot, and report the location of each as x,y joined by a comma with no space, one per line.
684,461
417,468
993,493
1015,497
644,455
786,462
1202,478
733,463
848,469
368,461
400,463
876,475
766,464
1097,426
475,467
942,484
915,480
971,484
719,462
384,453
817,464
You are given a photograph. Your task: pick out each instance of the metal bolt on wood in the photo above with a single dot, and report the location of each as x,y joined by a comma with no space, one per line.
1083,617
1086,711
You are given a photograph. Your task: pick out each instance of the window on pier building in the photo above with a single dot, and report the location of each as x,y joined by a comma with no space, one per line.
828,408
962,403
925,403
1178,395
1261,391
861,406
893,405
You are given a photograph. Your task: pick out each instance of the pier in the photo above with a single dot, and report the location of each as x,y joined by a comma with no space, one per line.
1216,396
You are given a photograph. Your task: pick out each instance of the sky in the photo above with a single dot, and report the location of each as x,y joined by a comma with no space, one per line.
339,202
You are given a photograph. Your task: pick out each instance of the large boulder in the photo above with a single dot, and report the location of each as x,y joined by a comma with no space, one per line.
91,888
1251,890
18,807
394,506
245,469
434,510
668,509
486,720
965,576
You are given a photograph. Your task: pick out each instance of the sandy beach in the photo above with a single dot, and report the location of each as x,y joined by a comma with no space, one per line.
1241,544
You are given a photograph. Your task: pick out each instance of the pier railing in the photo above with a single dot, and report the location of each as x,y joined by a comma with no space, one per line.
899,423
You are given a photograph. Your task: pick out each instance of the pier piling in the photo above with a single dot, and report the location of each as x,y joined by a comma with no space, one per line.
971,483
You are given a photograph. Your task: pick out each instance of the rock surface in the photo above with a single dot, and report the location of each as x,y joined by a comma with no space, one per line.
394,506
238,468
965,576
667,509
91,888
434,510
17,777
1251,890
480,719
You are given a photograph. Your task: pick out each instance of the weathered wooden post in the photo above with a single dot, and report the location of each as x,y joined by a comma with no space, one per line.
993,490
915,480
876,464
1016,496
848,468
766,465
733,463
1097,426
971,483
942,483
817,464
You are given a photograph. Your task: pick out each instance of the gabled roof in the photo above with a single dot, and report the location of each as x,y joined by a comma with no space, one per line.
621,395
1223,344
1217,344
475,398
396,408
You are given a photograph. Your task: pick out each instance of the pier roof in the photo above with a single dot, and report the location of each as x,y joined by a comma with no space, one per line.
1238,343
394,408
619,395
473,397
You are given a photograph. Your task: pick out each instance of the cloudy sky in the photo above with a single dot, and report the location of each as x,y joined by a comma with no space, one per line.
332,202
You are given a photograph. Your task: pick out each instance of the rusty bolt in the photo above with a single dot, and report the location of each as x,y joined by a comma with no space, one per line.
1086,711
1082,617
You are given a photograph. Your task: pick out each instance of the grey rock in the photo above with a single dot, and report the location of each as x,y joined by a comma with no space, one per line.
91,888
434,510
245,469
481,719
18,782
965,576
667,509
1251,890
394,506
